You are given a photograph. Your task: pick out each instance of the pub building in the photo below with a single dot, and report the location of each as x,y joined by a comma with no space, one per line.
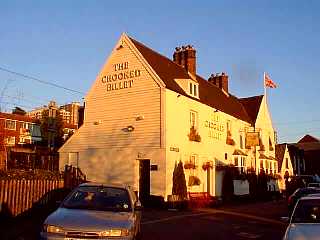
145,112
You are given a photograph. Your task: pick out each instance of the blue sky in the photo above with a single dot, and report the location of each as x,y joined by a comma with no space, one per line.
67,42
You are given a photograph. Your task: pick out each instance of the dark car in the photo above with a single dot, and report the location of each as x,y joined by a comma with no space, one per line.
300,192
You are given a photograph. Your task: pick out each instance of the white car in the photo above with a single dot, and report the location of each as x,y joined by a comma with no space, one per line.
95,211
305,219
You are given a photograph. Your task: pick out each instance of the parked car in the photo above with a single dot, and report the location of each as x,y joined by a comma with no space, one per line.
95,211
305,220
300,192
314,184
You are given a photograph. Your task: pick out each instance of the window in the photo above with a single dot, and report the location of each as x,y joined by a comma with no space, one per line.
193,159
236,163
193,89
287,163
261,164
10,140
193,119
240,162
229,126
10,124
275,167
226,156
241,141
25,125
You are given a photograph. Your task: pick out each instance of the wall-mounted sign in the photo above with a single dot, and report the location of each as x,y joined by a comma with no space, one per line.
154,168
121,78
174,149
216,128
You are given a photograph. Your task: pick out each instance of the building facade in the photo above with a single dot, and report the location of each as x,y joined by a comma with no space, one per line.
18,134
69,112
311,154
145,112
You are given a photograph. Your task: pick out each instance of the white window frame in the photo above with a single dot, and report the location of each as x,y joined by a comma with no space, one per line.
11,121
195,122
10,140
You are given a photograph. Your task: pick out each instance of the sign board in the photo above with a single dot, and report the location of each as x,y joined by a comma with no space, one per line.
174,149
154,168
252,139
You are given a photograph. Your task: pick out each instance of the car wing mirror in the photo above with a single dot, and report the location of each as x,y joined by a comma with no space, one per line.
138,206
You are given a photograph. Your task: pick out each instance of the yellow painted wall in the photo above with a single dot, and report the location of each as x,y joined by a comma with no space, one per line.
209,149
286,156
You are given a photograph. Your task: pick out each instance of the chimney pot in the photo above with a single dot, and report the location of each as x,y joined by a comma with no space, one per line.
185,56
220,80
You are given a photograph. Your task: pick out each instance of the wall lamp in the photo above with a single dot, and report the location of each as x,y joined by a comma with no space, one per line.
130,128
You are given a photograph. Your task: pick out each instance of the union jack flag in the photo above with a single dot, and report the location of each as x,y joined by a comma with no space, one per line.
268,82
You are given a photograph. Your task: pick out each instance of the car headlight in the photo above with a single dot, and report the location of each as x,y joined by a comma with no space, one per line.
115,233
52,229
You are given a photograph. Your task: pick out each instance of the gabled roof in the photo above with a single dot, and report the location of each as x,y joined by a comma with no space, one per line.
280,151
252,106
308,138
209,94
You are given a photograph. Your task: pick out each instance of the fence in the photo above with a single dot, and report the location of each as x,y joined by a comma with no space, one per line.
17,196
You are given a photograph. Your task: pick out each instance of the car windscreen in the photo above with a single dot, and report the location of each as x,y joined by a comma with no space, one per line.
307,211
305,191
99,198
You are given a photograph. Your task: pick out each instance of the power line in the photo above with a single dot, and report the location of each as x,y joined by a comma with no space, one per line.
40,81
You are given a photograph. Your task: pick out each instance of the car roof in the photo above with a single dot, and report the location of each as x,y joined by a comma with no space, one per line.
101,184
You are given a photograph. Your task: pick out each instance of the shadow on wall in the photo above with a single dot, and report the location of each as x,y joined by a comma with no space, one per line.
119,170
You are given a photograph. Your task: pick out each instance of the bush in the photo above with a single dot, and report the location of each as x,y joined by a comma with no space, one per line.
179,186
20,174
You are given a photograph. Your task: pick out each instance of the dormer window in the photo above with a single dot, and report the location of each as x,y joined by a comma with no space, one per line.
190,87
193,89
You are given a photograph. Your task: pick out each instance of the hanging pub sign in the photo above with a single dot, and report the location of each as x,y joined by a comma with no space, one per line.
121,78
252,139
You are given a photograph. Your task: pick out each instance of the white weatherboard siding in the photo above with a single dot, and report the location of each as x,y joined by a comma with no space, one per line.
107,151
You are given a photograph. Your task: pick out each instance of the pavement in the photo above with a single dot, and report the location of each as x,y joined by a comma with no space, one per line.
259,220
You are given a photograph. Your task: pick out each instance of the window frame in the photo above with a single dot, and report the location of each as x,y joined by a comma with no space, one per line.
10,121
195,122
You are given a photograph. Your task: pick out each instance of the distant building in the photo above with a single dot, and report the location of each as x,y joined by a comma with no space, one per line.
68,112
18,136
145,112
73,110
311,148
284,163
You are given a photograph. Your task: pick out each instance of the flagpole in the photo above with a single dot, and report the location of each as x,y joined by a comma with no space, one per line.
264,84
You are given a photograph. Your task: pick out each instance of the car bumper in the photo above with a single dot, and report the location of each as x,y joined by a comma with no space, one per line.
45,236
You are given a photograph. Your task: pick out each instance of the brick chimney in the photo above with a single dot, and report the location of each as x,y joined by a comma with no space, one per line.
185,56
220,80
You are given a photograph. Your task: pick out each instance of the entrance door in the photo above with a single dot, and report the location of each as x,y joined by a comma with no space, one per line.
144,181
208,180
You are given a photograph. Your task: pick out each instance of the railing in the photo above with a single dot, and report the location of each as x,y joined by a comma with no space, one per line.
73,176
17,196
